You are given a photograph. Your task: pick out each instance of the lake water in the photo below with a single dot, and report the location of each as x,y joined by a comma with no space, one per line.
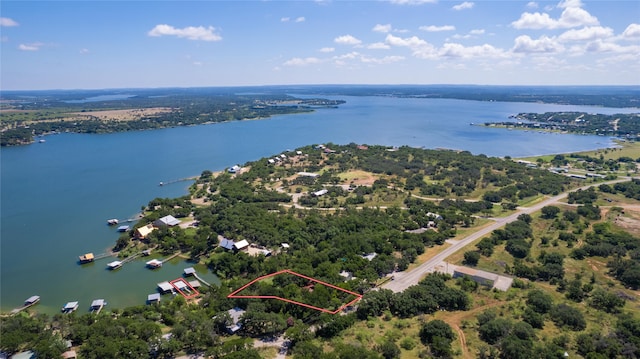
56,196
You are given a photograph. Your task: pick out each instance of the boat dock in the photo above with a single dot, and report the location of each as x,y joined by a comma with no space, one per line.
90,257
70,307
97,305
33,300
164,183
192,272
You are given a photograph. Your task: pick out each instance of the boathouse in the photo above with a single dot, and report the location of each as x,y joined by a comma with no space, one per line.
31,300
154,263
165,221
114,265
165,287
87,258
153,298
70,307
123,228
189,271
97,305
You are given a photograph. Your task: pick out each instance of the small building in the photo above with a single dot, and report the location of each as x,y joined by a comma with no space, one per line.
86,258
227,243
242,245
235,169
166,221
153,298
154,263
189,271
146,252
114,265
308,174
165,287
70,307
144,231
299,153
370,256
321,192
123,228
285,245
235,314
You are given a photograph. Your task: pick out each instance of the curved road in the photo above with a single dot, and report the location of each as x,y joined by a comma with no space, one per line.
403,280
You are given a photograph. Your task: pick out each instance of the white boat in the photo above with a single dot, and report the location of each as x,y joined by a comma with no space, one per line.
112,222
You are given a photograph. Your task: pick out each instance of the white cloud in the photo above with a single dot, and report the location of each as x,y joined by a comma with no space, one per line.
476,32
433,28
7,22
572,16
412,2
532,5
600,46
467,52
463,6
190,32
587,34
632,31
327,49
285,19
411,42
84,51
347,40
300,19
31,47
382,28
381,61
378,46
525,44
297,61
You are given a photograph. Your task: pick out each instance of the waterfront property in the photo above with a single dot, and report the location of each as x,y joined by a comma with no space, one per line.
34,299
70,307
165,221
143,232
184,288
235,314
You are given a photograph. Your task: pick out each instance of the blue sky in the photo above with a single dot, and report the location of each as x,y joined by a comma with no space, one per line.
118,44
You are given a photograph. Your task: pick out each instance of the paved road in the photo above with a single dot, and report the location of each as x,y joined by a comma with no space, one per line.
404,280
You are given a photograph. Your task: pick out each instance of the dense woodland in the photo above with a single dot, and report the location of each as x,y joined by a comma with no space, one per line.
397,203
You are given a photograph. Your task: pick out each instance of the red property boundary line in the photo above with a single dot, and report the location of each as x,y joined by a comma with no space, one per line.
185,295
235,293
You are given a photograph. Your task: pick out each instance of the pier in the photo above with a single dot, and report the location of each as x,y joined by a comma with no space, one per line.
192,272
90,257
31,301
164,183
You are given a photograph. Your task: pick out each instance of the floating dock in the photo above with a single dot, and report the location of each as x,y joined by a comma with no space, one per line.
86,258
